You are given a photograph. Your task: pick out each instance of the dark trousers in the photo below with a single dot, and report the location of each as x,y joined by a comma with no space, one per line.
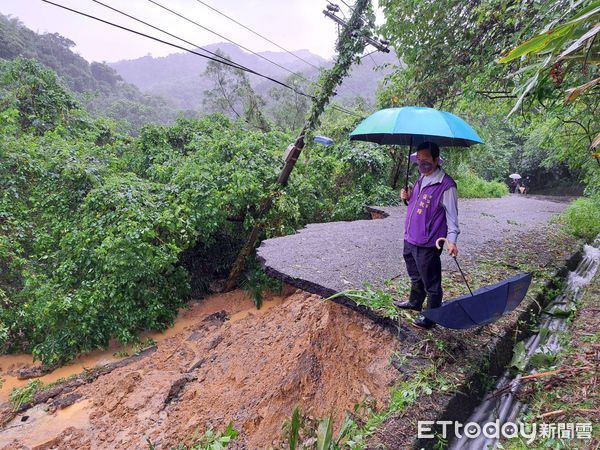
425,271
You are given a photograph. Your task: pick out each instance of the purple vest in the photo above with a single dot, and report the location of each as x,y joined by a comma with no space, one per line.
426,217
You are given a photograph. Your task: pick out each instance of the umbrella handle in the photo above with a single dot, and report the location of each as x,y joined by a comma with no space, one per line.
437,243
439,247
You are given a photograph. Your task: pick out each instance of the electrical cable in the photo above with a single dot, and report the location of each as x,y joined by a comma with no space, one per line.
257,34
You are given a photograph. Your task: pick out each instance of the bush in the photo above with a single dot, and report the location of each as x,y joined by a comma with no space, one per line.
472,186
582,218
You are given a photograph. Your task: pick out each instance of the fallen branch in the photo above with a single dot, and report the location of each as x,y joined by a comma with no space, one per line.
552,413
570,370
514,384
559,412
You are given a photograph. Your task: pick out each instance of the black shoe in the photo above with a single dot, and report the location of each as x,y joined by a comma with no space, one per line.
407,305
423,322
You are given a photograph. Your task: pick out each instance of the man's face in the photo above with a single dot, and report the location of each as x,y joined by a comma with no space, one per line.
425,156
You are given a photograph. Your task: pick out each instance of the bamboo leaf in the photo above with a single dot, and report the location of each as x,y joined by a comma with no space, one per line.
538,43
588,11
528,87
580,42
575,92
294,429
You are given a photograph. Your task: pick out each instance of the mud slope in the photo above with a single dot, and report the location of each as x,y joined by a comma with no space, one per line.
241,365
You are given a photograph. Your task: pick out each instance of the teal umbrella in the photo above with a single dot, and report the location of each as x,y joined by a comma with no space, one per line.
412,125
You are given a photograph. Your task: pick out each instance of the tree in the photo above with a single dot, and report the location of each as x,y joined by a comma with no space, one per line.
232,94
446,43
289,107
566,51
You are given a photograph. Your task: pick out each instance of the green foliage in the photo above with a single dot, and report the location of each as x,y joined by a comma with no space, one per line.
22,395
304,432
349,45
36,93
469,185
582,218
325,434
446,42
232,94
570,42
451,49
294,429
377,300
209,440
257,282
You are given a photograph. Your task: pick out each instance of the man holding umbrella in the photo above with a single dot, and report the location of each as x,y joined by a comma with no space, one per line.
432,213
432,204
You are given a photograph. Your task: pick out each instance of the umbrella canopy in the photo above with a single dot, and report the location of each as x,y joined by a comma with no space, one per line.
411,125
485,305
515,176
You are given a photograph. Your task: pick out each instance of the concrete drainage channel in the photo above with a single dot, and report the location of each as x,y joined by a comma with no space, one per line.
544,344
476,402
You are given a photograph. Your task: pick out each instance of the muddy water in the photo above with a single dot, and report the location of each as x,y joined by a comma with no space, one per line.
46,426
507,408
237,303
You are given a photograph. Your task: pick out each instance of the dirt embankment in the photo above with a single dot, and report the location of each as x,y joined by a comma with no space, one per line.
234,364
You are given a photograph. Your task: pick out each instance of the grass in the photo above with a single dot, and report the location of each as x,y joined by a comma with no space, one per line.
304,432
471,186
20,396
209,440
582,218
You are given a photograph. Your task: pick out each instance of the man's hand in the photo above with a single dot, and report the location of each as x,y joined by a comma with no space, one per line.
404,195
452,249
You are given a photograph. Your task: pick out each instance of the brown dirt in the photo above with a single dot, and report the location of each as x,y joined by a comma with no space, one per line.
232,364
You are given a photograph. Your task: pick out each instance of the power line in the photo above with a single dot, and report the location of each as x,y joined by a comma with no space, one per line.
166,32
225,62
349,7
257,34
227,39
235,43
221,61
363,56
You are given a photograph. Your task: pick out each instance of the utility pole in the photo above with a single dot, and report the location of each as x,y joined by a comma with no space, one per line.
379,44
350,43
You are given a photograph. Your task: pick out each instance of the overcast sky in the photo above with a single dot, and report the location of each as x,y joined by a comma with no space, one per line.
293,24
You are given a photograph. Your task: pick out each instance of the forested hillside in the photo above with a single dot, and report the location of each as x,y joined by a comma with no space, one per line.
97,86
95,224
181,77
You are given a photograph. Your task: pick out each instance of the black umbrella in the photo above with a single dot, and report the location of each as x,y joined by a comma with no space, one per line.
483,306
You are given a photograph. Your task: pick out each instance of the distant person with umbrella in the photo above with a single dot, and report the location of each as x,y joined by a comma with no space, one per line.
432,213
514,182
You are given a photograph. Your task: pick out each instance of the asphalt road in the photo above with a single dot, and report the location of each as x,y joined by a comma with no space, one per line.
326,258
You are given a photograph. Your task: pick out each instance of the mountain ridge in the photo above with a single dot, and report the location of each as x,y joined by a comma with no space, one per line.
179,78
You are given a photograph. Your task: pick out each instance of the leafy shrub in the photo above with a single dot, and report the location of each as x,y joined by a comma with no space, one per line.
470,185
582,217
